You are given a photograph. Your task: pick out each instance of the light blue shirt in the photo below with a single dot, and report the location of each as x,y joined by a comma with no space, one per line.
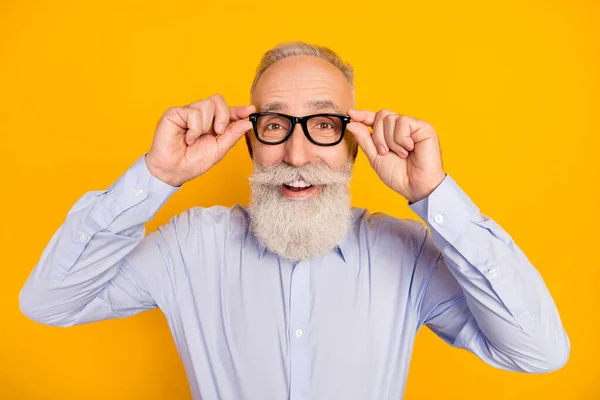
251,325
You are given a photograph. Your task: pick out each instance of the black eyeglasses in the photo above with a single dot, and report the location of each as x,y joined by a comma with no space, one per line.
321,129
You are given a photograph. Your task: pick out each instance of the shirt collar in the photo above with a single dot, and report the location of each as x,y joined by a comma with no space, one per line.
261,248
344,248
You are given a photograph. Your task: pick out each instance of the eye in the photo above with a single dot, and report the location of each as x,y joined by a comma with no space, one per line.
324,125
273,126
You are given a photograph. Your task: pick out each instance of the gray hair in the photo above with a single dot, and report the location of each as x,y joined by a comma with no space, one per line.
289,49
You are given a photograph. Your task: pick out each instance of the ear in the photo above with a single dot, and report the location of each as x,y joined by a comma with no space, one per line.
353,145
248,138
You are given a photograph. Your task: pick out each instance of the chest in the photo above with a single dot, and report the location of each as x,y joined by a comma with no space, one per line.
264,307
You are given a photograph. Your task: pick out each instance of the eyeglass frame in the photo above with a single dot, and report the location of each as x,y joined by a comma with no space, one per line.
302,121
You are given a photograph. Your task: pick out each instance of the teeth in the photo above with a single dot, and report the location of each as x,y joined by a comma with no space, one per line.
298,183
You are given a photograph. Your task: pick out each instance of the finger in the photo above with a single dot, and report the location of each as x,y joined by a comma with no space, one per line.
419,130
237,113
402,134
379,131
193,119
362,134
232,134
364,116
389,124
221,113
196,104
206,109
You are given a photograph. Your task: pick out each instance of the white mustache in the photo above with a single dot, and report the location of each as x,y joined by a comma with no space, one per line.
315,173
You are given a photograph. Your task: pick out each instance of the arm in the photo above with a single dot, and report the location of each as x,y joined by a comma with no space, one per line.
93,267
483,294
87,272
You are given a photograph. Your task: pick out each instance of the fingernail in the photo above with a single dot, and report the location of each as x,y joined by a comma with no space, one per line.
382,149
220,128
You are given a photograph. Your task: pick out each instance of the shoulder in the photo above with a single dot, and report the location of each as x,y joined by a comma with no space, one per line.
200,227
388,233
219,214
214,217
404,244
220,219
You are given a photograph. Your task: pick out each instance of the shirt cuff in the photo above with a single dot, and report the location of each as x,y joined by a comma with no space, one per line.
447,210
133,199
462,233
136,187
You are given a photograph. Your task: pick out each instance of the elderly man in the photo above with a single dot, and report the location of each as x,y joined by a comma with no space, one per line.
299,295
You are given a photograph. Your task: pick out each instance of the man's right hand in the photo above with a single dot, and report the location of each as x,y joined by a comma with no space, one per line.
186,144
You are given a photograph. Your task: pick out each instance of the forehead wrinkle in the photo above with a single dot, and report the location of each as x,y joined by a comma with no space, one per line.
293,88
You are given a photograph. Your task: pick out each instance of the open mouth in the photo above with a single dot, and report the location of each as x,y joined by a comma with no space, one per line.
298,185
299,189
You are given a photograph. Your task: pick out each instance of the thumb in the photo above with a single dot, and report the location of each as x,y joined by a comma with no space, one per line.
363,137
233,133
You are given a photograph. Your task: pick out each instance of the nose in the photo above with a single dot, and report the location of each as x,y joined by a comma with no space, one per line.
298,149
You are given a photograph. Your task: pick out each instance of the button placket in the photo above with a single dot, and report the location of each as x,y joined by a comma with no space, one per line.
299,313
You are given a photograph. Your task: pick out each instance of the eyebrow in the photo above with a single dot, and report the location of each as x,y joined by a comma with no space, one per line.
315,105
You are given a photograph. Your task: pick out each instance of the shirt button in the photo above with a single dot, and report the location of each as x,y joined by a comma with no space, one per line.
491,272
298,332
138,191
439,218
83,237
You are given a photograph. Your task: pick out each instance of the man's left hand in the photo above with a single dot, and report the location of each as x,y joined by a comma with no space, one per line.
404,151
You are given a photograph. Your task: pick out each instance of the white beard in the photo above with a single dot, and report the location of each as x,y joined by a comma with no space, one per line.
300,229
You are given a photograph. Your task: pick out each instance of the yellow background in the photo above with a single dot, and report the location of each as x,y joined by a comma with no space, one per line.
511,87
